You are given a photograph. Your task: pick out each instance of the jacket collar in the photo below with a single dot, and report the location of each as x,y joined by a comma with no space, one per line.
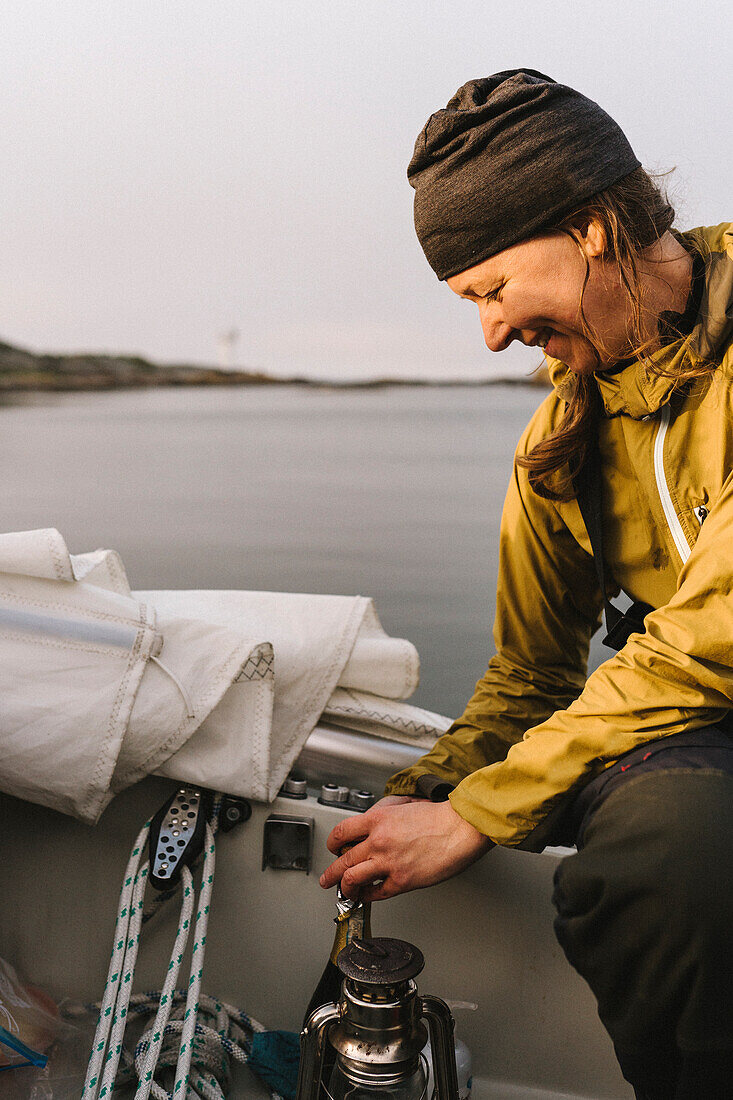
639,390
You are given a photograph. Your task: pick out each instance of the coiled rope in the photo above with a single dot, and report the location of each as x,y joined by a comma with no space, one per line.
222,1033
178,1035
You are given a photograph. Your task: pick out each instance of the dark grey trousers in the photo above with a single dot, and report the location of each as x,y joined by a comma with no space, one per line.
645,913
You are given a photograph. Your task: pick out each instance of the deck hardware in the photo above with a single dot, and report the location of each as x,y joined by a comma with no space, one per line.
361,800
287,843
343,798
177,835
295,786
333,794
234,811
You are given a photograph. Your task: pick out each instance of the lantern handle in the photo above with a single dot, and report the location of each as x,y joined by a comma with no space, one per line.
441,1025
312,1041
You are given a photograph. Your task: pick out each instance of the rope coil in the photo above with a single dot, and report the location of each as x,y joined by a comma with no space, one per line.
222,1034
197,1034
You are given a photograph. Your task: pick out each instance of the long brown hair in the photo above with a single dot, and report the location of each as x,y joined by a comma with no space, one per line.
634,213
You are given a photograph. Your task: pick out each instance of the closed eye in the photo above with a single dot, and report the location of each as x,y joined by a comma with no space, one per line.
495,294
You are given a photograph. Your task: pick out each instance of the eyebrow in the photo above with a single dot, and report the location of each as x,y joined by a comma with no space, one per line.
468,290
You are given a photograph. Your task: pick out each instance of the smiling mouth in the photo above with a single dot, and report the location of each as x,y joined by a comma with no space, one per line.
542,340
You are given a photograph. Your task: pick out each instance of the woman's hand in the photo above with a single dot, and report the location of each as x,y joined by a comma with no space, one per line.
403,842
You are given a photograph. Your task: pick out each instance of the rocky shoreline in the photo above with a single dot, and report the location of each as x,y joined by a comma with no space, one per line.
23,371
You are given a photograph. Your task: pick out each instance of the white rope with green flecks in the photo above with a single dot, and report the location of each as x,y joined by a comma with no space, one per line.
147,1069
222,1033
126,938
107,1048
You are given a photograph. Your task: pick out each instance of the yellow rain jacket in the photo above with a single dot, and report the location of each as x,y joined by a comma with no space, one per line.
537,727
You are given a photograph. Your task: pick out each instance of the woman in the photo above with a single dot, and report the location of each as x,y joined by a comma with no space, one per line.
530,203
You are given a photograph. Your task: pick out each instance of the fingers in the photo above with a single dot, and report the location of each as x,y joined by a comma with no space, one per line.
399,799
348,831
388,854
359,826
380,891
354,878
336,871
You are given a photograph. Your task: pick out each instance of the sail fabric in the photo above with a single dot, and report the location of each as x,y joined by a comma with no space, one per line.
86,706
320,643
100,685
367,713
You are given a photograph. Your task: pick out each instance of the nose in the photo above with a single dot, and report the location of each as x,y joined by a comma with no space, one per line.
498,335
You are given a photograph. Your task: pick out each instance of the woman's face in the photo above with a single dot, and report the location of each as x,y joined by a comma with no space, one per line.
531,292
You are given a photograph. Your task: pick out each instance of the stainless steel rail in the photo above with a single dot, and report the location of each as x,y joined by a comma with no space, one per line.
355,759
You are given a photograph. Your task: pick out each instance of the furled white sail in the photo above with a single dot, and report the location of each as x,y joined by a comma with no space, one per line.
100,685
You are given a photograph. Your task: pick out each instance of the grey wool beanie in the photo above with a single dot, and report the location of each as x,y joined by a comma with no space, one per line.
509,155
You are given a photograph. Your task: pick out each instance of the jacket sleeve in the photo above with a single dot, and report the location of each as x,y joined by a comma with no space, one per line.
548,604
677,675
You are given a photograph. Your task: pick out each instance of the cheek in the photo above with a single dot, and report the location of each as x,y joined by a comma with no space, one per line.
525,307
550,301
513,305
603,309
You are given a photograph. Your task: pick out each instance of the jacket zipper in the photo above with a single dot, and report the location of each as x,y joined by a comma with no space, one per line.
675,527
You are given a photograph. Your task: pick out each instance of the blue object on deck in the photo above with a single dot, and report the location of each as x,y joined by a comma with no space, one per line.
19,1047
274,1057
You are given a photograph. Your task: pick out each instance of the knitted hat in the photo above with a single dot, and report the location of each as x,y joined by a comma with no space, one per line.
508,156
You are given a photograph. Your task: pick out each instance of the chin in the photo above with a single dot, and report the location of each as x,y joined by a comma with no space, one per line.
581,356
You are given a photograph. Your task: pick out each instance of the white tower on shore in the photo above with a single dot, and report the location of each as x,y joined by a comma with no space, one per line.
226,343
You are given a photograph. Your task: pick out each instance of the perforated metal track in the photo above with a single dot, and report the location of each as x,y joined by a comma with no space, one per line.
176,830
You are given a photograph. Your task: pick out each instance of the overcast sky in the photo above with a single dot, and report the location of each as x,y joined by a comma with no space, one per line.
174,170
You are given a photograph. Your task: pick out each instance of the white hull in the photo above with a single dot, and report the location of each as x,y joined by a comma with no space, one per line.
486,935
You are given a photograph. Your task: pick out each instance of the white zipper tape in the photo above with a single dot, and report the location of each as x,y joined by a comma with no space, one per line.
670,515
76,630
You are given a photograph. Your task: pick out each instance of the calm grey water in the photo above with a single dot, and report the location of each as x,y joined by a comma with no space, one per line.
393,493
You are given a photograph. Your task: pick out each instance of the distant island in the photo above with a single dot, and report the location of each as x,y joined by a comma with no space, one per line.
23,371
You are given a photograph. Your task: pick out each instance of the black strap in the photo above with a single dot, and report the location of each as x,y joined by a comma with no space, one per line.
588,485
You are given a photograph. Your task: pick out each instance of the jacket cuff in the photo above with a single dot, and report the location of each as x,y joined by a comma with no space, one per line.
401,784
470,802
434,788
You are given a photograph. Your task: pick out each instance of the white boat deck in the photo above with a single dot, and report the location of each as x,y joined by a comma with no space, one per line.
486,935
